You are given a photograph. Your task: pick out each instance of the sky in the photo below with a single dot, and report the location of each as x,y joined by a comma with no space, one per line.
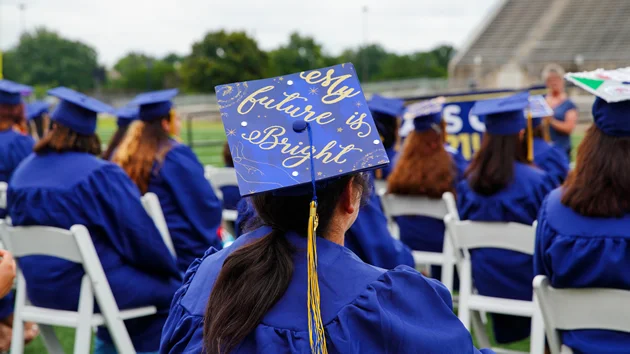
158,27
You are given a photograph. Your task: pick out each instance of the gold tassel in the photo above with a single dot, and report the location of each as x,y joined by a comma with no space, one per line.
530,138
545,130
316,332
171,127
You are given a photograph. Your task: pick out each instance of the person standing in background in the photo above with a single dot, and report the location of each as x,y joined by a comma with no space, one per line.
565,113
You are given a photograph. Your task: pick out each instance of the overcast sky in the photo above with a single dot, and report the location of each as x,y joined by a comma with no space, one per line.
156,27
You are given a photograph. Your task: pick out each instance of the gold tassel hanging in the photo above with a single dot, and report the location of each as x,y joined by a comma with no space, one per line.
530,137
316,332
171,126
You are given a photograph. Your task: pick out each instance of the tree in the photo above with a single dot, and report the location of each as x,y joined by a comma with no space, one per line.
43,57
367,60
300,54
220,58
140,72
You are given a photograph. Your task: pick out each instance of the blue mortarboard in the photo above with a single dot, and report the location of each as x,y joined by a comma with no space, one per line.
36,109
155,105
539,109
11,92
503,116
269,155
125,115
77,111
426,114
612,118
392,107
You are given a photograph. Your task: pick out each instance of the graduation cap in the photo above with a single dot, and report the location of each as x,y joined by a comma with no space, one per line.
392,107
539,109
125,115
77,111
292,135
36,109
426,114
611,110
155,105
11,92
506,116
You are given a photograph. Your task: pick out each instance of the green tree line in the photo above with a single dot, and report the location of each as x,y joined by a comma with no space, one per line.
45,59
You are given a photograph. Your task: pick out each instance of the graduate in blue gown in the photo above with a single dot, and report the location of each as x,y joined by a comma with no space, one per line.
385,112
501,186
252,296
546,155
65,183
37,118
124,117
583,235
231,195
160,164
426,167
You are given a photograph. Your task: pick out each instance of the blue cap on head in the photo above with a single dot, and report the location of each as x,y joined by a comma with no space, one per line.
503,116
11,92
392,107
125,115
155,105
612,118
426,114
270,146
77,111
36,109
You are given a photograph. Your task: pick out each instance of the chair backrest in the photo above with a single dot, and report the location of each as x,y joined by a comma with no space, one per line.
221,177
3,194
152,205
407,205
576,309
380,187
467,235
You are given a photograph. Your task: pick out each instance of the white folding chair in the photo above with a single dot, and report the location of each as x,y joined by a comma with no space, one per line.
380,187
3,194
469,235
152,205
575,309
222,177
404,205
75,246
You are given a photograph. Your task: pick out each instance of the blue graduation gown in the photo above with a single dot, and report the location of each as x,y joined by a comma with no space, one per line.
576,251
424,233
14,147
231,197
368,237
503,273
364,308
551,160
62,190
392,154
191,209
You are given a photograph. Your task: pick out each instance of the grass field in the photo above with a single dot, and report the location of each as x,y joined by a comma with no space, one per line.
205,130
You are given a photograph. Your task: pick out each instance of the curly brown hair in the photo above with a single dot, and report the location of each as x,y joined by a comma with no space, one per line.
143,145
12,115
424,168
63,139
599,186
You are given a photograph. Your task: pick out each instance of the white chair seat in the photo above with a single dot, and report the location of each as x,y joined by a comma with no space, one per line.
421,257
42,315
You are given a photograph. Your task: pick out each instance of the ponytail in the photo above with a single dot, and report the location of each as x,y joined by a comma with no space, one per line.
252,280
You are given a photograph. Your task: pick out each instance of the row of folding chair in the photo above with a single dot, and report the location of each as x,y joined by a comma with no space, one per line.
220,177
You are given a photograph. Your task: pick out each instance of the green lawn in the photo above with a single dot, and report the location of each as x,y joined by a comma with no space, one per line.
205,130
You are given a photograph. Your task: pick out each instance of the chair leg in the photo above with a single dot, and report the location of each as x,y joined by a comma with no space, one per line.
17,337
480,330
83,335
537,337
51,342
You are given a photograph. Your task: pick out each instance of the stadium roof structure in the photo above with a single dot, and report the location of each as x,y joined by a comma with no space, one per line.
528,34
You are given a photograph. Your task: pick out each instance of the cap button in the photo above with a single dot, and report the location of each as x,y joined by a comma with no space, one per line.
299,126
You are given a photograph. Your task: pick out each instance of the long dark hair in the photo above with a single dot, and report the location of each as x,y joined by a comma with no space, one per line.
492,168
600,184
116,139
254,277
63,139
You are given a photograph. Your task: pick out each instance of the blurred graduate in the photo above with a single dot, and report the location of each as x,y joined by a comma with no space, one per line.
290,285
124,117
501,185
15,146
426,167
583,235
38,118
65,183
386,112
231,195
158,163
546,155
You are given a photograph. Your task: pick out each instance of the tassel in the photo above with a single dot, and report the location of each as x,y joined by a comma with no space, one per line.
171,128
530,138
315,326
